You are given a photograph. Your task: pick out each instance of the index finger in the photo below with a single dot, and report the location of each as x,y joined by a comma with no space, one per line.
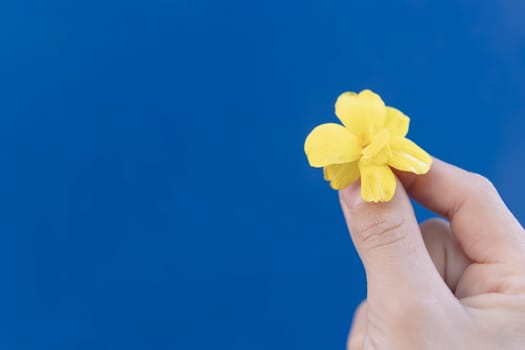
480,220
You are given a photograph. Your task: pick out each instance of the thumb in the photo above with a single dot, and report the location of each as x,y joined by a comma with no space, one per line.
389,242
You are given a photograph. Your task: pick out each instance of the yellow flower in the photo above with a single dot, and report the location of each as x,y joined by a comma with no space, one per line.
370,141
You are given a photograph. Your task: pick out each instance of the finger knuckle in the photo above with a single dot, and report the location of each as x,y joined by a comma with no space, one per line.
382,230
481,182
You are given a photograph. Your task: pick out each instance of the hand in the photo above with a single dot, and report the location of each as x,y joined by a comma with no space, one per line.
455,284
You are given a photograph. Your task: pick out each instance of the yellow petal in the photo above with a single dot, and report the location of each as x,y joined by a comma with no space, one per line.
341,175
396,122
378,151
331,144
363,114
378,183
407,156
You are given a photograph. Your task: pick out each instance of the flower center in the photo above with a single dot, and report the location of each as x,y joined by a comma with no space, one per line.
378,150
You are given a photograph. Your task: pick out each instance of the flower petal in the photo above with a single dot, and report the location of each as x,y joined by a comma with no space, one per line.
396,122
363,114
378,151
378,183
331,144
407,156
341,175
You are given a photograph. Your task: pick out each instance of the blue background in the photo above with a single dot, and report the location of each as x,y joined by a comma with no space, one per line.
154,193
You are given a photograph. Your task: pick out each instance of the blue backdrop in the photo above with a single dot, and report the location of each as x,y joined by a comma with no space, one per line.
154,193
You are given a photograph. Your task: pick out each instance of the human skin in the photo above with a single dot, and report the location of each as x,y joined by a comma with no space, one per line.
447,284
